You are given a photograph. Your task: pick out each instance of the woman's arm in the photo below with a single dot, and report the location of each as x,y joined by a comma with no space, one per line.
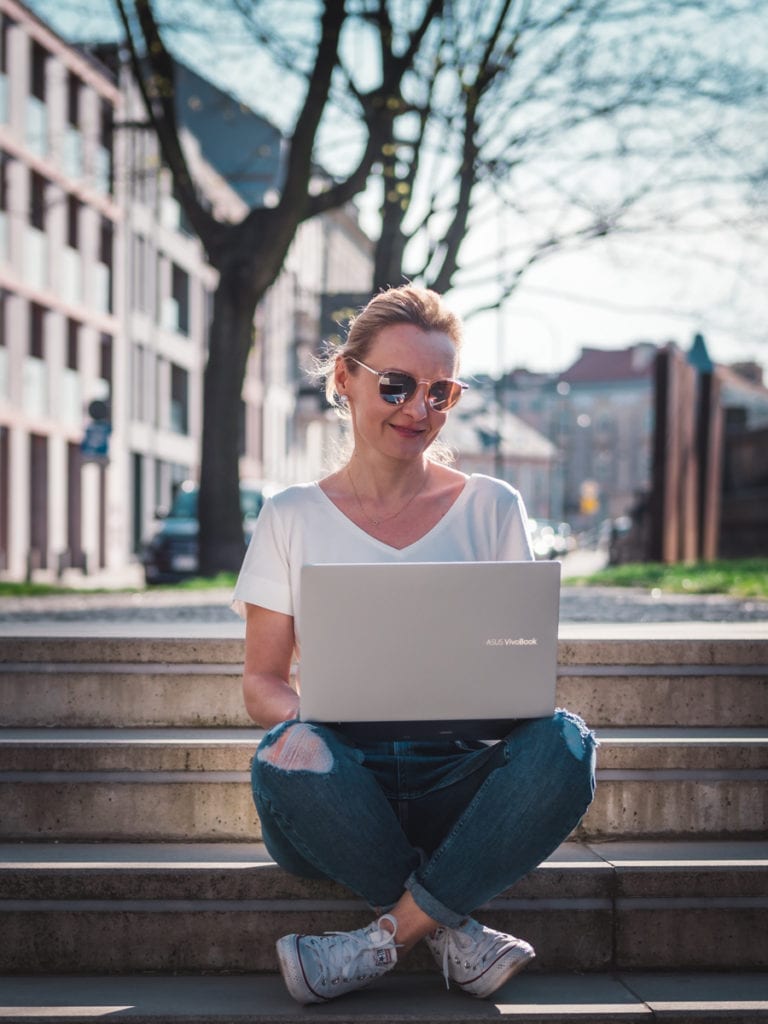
269,642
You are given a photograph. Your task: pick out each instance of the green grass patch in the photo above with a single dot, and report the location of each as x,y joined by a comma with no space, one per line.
224,580
8,589
738,577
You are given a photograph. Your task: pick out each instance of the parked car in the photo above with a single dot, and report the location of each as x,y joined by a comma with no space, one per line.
170,554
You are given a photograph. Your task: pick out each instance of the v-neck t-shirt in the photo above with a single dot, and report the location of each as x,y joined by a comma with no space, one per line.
302,526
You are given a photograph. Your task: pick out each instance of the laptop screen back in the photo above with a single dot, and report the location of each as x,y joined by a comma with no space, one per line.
407,650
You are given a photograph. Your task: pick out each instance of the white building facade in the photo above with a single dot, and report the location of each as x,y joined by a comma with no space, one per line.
59,308
106,297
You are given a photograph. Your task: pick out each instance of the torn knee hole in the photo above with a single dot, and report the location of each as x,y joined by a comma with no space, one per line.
298,749
579,739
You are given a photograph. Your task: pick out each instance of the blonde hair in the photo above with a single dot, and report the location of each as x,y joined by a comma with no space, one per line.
407,304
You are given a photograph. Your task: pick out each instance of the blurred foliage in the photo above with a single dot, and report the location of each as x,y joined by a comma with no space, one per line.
224,581
739,577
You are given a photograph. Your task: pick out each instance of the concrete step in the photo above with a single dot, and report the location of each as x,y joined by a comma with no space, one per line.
396,999
184,785
98,682
114,750
220,907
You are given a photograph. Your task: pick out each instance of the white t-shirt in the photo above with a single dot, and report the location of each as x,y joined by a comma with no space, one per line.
301,526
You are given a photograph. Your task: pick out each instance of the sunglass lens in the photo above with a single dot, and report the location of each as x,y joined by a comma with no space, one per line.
396,388
444,393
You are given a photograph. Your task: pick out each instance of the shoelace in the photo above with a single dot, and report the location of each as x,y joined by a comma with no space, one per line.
341,960
446,975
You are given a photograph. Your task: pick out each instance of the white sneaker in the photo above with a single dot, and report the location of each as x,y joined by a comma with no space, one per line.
478,959
316,968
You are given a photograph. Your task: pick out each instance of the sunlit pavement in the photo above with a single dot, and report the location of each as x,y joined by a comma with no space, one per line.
206,613
584,561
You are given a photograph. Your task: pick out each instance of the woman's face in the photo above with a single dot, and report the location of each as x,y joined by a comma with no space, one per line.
399,431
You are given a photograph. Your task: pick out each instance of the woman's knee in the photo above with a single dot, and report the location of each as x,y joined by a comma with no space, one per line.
295,747
579,739
564,736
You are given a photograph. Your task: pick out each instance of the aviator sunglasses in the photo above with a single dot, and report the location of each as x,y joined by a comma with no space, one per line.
396,387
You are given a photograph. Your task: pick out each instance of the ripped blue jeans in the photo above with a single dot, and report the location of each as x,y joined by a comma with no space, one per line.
454,823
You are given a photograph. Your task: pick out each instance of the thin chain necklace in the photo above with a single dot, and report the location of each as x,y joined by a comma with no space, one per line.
394,515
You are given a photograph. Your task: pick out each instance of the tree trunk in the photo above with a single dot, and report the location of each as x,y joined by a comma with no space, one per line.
220,543
390,247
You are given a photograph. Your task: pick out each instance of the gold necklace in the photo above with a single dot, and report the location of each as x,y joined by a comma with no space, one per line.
394,515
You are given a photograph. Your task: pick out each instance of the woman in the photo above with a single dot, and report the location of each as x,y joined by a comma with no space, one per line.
423,832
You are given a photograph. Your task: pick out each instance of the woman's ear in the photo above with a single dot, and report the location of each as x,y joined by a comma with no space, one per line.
340,377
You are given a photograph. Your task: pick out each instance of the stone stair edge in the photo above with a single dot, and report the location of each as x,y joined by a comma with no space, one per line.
228,651
245,735
690,997
124,754
588,855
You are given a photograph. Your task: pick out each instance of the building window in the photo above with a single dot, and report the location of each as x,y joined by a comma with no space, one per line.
5,26
73,140
37,189
37,113
179,400
181,297
105,359
176,305
76,556
4,383
35,239
70,401
37,71
73,222
137,531
38,501
5,163
103,268
138,383
35,379
73,344
36,331
74,86
105,242
104,176
71,277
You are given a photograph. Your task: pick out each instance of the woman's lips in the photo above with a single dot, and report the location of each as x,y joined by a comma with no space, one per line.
406,431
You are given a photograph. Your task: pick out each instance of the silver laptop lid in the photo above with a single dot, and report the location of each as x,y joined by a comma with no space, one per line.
402,650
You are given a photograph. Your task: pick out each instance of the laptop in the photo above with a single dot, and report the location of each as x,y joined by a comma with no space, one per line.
432,650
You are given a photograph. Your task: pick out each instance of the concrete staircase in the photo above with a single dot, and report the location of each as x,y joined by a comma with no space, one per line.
132,881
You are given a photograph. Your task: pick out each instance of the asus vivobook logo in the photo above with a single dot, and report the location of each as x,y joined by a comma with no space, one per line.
508,641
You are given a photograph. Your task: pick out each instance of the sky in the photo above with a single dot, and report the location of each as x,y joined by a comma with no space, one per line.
620,291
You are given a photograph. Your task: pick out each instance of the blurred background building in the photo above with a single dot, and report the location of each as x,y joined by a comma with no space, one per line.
105,303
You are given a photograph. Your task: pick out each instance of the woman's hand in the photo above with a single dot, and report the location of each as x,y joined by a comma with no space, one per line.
269,643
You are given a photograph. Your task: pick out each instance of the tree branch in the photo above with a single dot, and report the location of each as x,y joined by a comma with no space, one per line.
299,167
158,95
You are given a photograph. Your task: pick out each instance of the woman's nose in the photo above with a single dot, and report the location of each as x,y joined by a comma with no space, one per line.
417,404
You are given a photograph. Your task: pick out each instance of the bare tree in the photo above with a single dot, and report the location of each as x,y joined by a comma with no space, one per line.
249,255
563,122
558,122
